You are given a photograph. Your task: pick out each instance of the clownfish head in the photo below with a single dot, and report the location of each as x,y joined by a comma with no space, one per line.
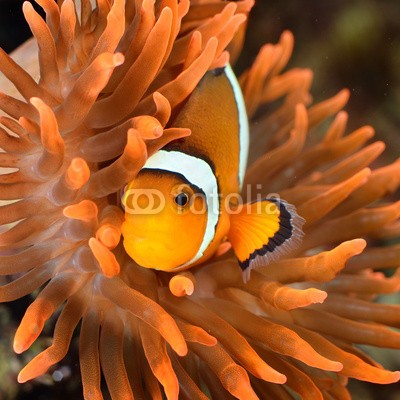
165,220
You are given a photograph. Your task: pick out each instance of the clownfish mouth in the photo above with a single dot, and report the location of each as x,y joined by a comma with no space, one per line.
135,237
150,253
150,243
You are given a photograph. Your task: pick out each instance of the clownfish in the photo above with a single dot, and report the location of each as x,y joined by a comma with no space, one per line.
184,202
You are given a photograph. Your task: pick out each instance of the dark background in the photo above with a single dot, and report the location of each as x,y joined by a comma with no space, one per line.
348,43
13,28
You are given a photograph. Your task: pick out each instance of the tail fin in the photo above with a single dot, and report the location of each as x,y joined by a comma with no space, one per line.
264,231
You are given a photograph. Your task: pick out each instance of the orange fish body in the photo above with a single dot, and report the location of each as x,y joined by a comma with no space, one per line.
185,202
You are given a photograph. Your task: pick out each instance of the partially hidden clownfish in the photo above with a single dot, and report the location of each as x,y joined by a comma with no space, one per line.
184,202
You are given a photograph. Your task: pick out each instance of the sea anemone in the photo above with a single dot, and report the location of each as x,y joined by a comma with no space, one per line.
112,78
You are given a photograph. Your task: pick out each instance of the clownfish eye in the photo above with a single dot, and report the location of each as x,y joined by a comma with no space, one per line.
181,199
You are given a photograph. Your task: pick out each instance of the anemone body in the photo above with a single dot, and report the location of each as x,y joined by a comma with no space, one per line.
111,77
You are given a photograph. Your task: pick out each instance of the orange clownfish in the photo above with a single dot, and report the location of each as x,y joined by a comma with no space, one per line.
184,202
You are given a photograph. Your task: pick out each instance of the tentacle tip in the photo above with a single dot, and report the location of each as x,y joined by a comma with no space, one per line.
135,146
380,145
109,237
223,248
18,347
287,35
232,7
21,378
181,285
390,377
78,173
364,174
108,264
336,366
158,131
281,379
189,290
300,108
273,376
213,41
240,18
307,74
35,101
118,59
86,210
158,95
181,348
369,131
196,35
67,212
27,6
110,273
185,132
30,372
345,93
318,296
167,9
359,245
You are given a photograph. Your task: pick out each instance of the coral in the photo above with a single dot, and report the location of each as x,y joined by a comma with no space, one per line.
112,78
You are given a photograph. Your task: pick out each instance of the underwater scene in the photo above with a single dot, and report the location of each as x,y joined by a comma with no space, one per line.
199,199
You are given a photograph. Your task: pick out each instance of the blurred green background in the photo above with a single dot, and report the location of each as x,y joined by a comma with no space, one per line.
347,43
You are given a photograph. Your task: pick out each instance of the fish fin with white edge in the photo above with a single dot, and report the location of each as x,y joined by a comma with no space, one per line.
263,231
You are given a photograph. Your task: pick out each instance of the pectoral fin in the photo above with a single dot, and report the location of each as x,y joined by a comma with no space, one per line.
264,231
